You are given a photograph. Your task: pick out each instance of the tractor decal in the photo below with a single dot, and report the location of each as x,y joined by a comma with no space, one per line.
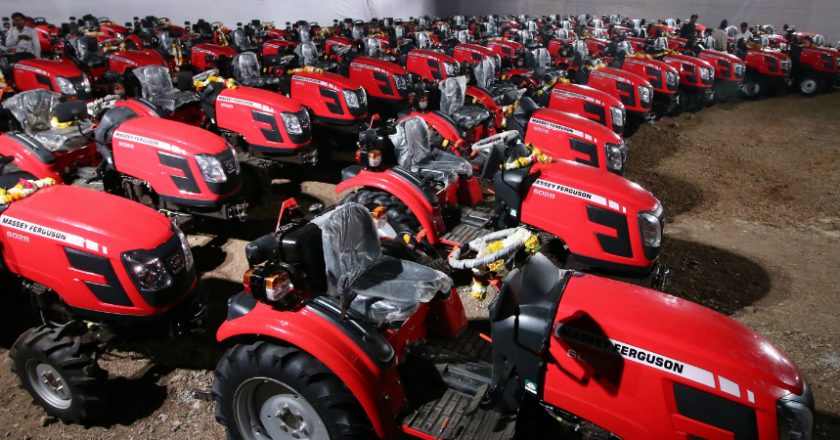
52,234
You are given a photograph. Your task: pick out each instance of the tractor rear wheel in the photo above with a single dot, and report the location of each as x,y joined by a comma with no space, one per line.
266,391
399,216
60,372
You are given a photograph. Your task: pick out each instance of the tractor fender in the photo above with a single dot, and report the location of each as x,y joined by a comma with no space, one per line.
407,192
364,361
442,124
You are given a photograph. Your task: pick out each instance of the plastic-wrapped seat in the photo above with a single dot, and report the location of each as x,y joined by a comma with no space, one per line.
452,93
157,87
247,71
414,153
381,288
34,110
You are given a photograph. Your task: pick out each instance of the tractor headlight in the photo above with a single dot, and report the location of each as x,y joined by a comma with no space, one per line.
148,271
451,69
355,98
671,78
704,73
292,122
740,68
786,65
85,84
645,93
796,416
651,229
617,116
616,156
189,261
65,86
401,82
351,98
211,168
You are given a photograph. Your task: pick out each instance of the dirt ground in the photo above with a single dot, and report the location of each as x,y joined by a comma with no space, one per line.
752,195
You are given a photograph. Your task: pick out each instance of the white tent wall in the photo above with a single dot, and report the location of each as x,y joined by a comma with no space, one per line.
821,16
229,12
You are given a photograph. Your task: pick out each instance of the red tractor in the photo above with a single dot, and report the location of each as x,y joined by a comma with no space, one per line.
590,103
60,76
816,68
96,269
697,79
569,136
768,71
663,77
262,123
171,166
609,223
338,336
729,73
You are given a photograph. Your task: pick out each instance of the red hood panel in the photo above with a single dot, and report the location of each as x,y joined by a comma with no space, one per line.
169,136
101,219
709,344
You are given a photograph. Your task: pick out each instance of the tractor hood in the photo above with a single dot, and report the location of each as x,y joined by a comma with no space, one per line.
586,93
64,68
550,120
621,76
328,79
672,338
138,58
686,59
101,223
598,184
214,49
259,99
661,65
380,65
168,136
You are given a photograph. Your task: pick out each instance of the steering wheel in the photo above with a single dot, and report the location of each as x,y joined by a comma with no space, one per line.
512,239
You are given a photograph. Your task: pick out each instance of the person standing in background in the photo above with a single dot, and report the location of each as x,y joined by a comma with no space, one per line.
719,35
23,39
744,34
689,29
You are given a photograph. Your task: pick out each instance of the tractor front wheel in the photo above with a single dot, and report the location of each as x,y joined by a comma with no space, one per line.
808,85
265,391
60,372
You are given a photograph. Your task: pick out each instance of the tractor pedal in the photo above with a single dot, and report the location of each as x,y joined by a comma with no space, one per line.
203,395
476,400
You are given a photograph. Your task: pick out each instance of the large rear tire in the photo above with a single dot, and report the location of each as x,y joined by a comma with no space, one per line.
399,216
265,391
60,372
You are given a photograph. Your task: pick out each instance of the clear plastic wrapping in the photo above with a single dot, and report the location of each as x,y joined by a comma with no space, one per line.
485,73
452,92
414,153
32,108
307,53
157,87
384,289
246,66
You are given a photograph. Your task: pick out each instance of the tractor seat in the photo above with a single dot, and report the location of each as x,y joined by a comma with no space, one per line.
504,93
384,290
470,116
157,87
414,153
526,109
65,139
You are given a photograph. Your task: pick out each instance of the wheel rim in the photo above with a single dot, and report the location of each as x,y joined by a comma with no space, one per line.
751,89
266,408
808,86
48,384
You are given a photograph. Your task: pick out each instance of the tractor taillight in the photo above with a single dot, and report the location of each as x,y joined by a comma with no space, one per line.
247,280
